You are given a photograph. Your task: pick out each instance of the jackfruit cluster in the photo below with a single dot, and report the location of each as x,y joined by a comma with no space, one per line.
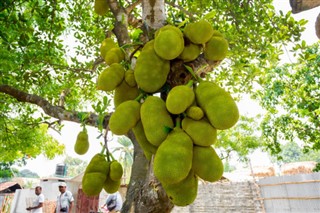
178,129
101,174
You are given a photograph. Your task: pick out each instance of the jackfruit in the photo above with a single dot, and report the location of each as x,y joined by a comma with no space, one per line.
92,183
129,78
217,104
101,7
106,45
195,112
190,52
179,99
184,192
151,71
111,186
201,132
82,143
125,117
114,55
123,93
98,163
115,171
216,48
110,78
145,145
173,159
169,43
206,163
198,32
155,120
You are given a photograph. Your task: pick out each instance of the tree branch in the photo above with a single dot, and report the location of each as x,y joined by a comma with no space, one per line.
132,6
51,110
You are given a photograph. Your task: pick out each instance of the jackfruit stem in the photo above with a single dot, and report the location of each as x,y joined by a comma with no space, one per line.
190,83
178,122
141,95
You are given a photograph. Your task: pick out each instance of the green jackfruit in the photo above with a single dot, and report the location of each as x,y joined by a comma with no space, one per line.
106,45
125,117
110,78
111,186
129,78
206,163
190,52
218,105
169,43
101,7
198,32
217,33
179,99
114,55
195,112
173,159
98,163
116,171
92,183
201,132
123,93
184,192
82,143
146,146
216,48
151,71
155,120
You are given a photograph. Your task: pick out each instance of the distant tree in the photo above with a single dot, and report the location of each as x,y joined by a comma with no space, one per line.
6,170
27,173
75,166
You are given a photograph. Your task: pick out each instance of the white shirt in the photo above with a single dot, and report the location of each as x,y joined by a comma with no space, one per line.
39,199
64,200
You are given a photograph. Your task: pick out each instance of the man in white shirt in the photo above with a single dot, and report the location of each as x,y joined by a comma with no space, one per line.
38,201
64,200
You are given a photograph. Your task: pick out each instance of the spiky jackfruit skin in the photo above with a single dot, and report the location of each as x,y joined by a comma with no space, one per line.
184,192
218,105
123,93
201,132
216,48
151,71
179,99
82,143
101,7
95,175
198,32
125,117
206,163
111,186
169,43
111,77
129,78
92,183
173,159
190,52
114,55
116,171
155,120
106,45
145,145
195,112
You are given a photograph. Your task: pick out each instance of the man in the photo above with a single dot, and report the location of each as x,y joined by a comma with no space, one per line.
117,198
64,200
37,202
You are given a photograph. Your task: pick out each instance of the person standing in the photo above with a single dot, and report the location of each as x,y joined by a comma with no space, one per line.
64,200
118,200
37,202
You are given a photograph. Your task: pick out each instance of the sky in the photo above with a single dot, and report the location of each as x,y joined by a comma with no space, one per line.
44,167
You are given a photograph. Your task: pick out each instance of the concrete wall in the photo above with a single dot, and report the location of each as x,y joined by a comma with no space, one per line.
224,197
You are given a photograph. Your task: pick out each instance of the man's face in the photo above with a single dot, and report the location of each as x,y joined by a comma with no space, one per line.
62,189
37,190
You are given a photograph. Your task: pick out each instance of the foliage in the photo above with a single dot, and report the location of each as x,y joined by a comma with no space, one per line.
240,139
27,173
75,166
5,170
291,96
